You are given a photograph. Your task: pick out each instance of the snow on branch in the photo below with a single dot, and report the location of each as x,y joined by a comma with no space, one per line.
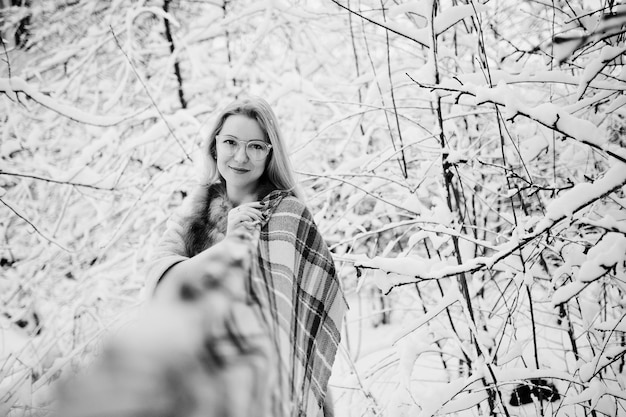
410,270
593,393
415,35
423,221
593,68
547,114
12,86
602,359
609,25
612,325
55,181
23,216
582,195
464,393
601,258
446,396
444,21
555,76
607,222
453,15
451,297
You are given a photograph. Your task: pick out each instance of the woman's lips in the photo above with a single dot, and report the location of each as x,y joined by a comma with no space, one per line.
239,170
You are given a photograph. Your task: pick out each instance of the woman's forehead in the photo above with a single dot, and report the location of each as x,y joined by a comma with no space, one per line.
243,127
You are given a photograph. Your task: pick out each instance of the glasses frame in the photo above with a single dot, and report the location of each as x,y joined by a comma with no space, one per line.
245,145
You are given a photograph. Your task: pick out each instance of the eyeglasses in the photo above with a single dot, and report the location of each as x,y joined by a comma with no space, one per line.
255,149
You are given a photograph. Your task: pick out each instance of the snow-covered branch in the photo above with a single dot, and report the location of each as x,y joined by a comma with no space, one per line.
413,269
54,181
44,235
548,114
14,85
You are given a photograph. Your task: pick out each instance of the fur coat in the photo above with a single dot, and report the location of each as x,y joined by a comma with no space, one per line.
199,223
207,221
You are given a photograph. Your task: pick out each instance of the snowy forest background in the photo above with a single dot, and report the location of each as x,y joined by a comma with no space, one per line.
465,163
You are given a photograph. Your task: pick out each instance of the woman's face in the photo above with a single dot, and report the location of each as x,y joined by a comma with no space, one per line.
240,172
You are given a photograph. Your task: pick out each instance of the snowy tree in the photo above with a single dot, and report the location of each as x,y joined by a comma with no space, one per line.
464,159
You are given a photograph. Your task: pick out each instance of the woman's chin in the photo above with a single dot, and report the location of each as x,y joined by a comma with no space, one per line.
241,182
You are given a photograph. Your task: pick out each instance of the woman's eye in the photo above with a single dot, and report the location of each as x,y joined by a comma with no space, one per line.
230,142
256,146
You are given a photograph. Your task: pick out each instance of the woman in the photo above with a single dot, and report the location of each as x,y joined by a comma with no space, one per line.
250,186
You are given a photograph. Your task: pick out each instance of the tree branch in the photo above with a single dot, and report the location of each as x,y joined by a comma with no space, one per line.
145,87
14,85
547,115
480,263
382,25
39,232
51,180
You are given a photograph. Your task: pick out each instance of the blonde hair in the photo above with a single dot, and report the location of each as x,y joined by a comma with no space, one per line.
278,169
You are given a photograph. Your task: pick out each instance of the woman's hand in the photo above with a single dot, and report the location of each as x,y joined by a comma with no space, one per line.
246,215
241,221
220,266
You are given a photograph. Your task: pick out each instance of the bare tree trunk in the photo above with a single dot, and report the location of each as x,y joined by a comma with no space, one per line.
170,40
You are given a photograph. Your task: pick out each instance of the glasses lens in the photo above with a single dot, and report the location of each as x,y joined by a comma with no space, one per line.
227,145
257,150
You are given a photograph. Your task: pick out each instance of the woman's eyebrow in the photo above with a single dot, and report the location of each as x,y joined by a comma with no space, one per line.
243,140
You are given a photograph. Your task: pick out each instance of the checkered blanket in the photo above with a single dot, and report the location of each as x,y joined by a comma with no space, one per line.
294,280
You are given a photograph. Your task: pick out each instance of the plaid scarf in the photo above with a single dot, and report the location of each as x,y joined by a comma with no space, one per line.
293,279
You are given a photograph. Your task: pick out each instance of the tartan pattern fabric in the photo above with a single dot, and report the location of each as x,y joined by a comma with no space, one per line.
293,281
293,278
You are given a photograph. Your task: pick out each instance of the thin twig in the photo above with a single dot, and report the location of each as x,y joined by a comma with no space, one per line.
478,264
6,53
356,64
404,35
382,96
377,197
76,184
553,126
402,161
145,87
39,232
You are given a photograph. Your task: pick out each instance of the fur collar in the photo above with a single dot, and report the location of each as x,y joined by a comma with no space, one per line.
209,215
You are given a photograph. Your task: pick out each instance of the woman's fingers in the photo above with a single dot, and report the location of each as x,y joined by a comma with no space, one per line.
246,215
252,210
255,205
251,214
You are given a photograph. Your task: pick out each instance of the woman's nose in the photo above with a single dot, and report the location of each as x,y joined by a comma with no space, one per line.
241,154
